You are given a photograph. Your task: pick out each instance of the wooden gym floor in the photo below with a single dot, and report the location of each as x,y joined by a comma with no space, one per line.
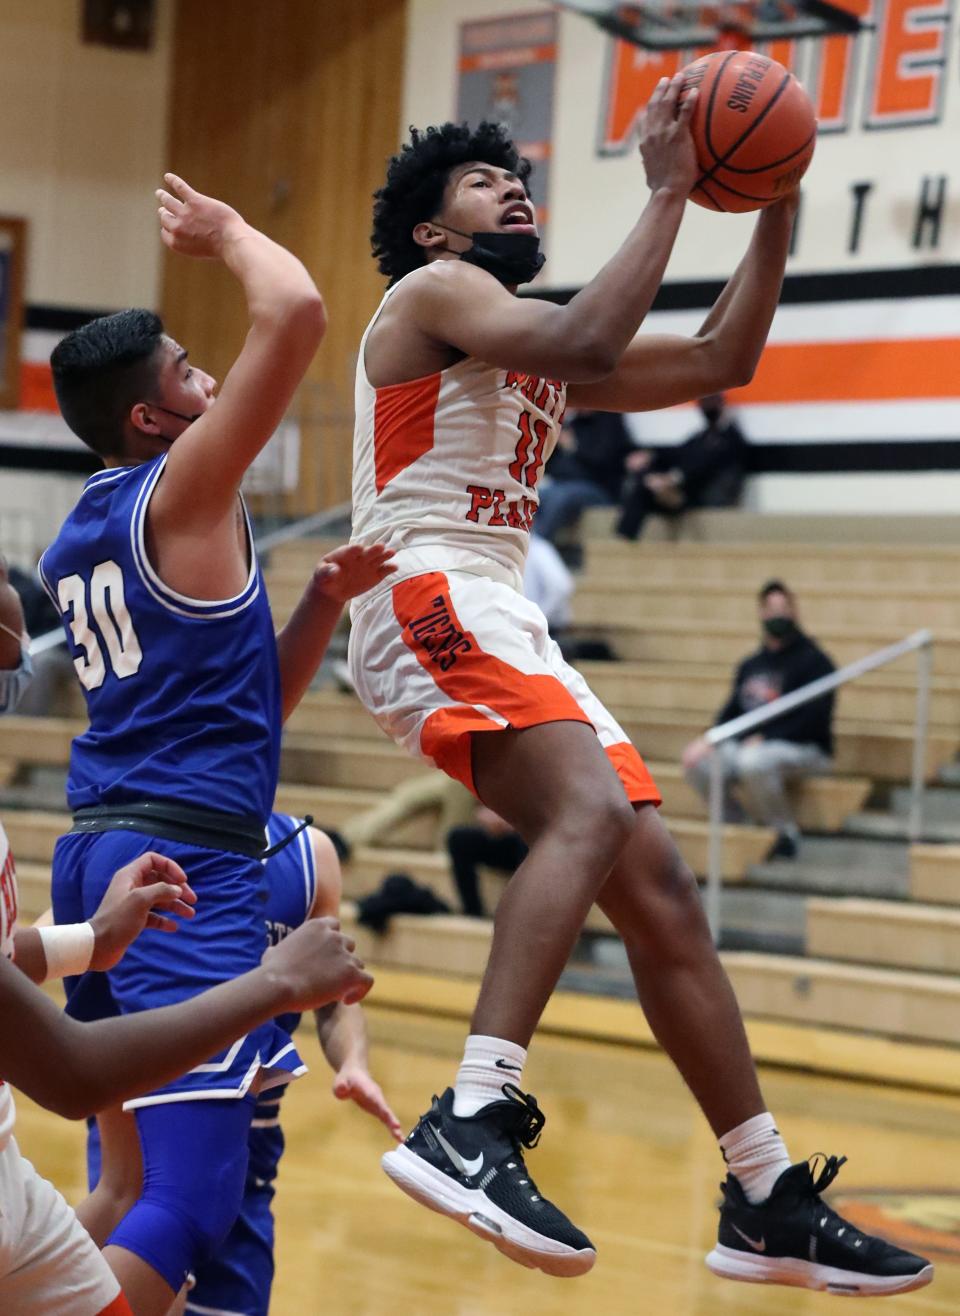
624,1150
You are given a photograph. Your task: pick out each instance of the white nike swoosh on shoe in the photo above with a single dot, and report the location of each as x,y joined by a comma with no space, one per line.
757,1247
469,1168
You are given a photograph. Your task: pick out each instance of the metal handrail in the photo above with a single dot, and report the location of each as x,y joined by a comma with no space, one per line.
295,530
921,643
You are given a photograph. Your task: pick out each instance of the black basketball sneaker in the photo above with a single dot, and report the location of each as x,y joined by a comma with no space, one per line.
795,1238
471,1168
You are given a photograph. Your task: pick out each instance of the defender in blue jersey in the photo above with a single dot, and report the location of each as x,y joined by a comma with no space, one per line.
303,882
156,577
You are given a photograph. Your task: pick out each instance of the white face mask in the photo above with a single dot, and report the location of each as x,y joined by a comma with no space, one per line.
14,680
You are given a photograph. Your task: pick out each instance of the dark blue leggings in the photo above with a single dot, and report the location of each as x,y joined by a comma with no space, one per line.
194,1167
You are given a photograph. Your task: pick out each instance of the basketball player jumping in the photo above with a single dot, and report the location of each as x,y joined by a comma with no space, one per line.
461,387
157,580
48,1262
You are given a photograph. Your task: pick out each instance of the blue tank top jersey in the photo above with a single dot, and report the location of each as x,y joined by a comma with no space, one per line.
291,890
183,695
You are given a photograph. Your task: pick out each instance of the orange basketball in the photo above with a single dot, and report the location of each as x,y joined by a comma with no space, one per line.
754,129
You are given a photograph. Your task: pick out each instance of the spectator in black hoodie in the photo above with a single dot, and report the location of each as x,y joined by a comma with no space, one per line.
707,470
793,745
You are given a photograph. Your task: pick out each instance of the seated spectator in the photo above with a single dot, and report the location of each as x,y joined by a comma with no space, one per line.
586,470
52,691
795,744
488,841
548,582
430,792
707,470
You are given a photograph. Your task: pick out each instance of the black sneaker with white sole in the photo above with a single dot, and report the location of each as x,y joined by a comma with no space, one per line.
795,1238
471,1168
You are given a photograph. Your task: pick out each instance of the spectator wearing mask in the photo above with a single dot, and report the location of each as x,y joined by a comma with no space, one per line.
51,690
586,470
795,744
707,470
16,667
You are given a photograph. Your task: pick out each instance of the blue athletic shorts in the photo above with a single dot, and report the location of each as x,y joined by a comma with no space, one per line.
237,1281
227,937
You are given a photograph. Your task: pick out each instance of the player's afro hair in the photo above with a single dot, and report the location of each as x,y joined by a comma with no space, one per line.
416,177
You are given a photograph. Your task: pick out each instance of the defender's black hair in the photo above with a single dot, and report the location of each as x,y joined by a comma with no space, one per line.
416,177
103,369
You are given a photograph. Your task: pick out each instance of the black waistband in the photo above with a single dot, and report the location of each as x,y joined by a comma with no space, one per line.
180,822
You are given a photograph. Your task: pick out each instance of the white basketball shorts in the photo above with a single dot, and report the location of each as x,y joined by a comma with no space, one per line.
441,655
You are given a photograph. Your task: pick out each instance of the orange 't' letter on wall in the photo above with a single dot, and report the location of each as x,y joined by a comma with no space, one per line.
908,71
633,75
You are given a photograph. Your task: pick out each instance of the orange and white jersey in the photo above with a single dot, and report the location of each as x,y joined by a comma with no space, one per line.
8,924
446,468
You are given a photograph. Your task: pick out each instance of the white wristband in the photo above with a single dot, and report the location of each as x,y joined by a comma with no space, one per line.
68,948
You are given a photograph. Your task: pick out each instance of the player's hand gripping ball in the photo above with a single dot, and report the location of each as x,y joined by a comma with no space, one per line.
753,128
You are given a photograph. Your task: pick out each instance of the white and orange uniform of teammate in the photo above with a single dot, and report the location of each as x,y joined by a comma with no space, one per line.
48,1262
446,473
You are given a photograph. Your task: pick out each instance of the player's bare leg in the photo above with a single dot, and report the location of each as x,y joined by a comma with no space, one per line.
121,1175
555,786
774,1226
652,900
146,1292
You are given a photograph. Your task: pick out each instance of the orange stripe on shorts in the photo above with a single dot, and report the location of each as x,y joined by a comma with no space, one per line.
119,1307
472,678
633,773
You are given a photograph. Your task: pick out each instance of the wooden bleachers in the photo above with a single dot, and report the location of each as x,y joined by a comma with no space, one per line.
920,1007
726,642
899,608
935,873
823,804
704,689
742,566
890,933
709,528
33,834
679,615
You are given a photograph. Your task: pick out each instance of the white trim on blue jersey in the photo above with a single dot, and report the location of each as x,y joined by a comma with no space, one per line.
210,1311
182,604
309,870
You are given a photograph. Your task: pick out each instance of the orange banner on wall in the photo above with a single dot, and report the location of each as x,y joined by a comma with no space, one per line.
878,371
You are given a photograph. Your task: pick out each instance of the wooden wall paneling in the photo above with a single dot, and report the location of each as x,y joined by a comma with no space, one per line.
289,112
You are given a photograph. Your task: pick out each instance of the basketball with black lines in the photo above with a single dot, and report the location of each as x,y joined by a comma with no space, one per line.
754,129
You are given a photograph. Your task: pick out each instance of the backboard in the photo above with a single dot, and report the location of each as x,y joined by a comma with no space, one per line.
689,25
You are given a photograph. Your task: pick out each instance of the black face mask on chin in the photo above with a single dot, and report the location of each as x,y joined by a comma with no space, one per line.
179,415
513,258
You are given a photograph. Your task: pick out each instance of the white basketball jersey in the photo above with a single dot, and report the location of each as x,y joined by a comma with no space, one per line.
446,468
8,923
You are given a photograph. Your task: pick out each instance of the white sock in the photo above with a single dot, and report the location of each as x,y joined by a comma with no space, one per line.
488,1063
756,1155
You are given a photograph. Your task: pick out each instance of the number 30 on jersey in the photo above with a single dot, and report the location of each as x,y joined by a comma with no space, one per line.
103,601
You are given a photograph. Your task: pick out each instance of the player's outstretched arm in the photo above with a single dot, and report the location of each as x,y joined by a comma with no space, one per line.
342,1029
287,323
460,305
660,370
141,895
76,1069
340,576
